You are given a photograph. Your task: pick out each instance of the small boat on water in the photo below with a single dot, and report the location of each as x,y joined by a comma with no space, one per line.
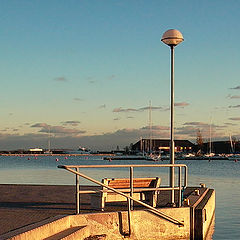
154,157
81,150
234,157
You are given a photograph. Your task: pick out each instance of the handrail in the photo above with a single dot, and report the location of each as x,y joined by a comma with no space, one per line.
135,166
124,165
129,198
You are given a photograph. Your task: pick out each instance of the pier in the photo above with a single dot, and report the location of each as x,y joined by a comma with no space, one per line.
25,209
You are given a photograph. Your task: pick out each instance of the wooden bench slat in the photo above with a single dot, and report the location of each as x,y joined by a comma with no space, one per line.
143,189
125,182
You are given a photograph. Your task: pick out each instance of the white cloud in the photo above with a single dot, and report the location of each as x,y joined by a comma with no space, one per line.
71,138
156,128
102,106
181,104
196,124
45,128
230,124
77,99
111,77
233,96
120,109
72,123
236,106
124,110
236,88
235,118
41,125
60,79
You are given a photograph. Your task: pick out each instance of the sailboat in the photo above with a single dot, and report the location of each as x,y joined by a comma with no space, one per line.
152,156
49,142
210,154
233,156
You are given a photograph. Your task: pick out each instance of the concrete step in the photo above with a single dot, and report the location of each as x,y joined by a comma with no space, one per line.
40,230
73,233
71,227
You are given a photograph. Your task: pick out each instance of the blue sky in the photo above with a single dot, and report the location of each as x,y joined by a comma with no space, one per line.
87,71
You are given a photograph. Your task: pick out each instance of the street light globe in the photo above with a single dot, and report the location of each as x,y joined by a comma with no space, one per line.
172,37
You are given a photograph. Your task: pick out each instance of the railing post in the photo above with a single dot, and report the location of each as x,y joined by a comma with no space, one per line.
129,215
77,193
77,172
131,187
186,176
180,186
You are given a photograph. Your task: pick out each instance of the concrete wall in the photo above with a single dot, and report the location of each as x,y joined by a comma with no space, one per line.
204,215
145,225
208,213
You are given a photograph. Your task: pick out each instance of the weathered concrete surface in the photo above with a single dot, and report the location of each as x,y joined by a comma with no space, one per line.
22,205
204,215
113,225
51,229
145,225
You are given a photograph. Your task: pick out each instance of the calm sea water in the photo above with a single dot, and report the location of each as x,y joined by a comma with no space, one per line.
222,175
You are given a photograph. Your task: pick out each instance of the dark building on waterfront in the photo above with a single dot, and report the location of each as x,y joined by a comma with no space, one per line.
148,145
217,147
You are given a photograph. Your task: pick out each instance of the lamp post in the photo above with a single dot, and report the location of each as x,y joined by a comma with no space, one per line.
172,38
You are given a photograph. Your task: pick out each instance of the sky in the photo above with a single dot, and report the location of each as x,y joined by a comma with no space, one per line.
85,73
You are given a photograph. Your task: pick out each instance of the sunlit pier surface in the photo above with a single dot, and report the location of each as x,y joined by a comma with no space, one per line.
27,208
23,205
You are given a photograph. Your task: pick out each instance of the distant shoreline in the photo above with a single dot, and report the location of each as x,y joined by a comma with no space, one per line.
55,154
109,155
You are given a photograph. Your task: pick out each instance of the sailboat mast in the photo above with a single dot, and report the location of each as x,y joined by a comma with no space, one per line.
210,140
141,145
210,136
49,140
150,126
231,142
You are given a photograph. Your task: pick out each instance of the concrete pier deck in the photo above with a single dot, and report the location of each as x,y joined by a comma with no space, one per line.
21,205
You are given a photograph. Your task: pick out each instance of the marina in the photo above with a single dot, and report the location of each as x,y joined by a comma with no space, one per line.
220,175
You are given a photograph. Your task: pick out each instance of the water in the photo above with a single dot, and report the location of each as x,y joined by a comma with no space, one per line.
222,175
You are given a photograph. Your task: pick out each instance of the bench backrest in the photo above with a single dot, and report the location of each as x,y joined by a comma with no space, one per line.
137,182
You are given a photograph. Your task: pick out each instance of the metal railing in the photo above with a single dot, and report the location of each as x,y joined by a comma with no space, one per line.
130,199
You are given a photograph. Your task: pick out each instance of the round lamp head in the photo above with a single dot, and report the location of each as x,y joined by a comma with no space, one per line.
172,37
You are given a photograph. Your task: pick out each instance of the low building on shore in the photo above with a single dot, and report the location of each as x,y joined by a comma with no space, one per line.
163,145
185,146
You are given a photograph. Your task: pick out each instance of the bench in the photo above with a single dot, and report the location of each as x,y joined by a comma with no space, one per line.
144,189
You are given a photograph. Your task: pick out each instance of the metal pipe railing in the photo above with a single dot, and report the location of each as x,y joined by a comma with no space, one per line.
77,191
131,173
131,177
131,187
130,199
129,215
156,211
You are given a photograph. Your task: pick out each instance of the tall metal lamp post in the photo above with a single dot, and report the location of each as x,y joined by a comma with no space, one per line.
172,38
